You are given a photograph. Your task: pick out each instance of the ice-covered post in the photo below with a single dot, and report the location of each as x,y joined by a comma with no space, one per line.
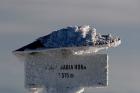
66,61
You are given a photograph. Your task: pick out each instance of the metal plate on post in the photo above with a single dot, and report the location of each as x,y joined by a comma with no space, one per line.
67,71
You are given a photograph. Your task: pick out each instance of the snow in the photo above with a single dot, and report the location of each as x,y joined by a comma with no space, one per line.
80,39
70,37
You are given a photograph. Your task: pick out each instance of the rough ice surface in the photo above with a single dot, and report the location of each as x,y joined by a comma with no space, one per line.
71,37
79,39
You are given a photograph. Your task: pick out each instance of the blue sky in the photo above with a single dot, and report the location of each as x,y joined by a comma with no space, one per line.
22,21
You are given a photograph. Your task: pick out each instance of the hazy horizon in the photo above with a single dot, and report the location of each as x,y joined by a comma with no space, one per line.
23,21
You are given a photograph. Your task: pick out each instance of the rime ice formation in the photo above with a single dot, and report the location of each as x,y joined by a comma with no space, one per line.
70,37
74,37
